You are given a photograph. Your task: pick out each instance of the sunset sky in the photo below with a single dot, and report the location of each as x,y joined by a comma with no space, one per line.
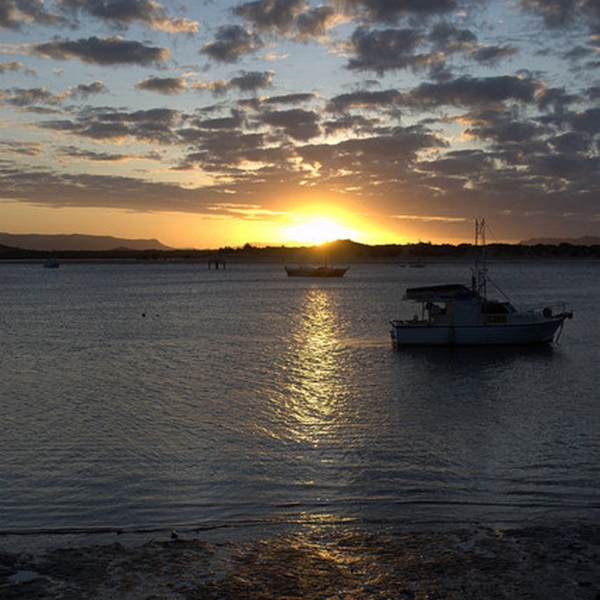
214,123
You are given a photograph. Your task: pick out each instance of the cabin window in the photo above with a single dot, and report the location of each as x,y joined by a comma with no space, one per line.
494,308
496,319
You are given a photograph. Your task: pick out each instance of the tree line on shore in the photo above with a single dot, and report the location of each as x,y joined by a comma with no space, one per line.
338,251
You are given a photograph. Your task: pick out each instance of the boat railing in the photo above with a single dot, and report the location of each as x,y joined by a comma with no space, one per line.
547,310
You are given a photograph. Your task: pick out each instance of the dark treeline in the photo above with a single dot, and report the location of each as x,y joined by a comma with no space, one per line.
339,251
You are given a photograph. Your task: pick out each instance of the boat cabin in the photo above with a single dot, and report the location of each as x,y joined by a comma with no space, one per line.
456,304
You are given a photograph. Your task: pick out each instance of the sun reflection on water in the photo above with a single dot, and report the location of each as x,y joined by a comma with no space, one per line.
316,389
313,408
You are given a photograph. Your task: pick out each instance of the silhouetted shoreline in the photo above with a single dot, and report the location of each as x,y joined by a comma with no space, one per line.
341,251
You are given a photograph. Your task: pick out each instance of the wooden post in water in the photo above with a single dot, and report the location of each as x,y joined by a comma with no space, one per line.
217,264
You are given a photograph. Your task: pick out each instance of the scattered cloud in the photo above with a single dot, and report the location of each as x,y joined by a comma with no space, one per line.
245,82
14,14
102,51
232,42
12,67
271,15
163,85
124,12
561,13
297,123
391,10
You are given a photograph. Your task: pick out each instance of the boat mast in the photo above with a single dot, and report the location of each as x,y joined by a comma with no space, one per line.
480,274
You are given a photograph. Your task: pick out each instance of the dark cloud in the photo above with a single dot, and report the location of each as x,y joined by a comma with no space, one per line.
232,42
316,22
586,121
221,150
88,89
163,85
572,142
501,127
124,12
365,100
252,81
44,187
246,82
557,99
23,148
102,130
357,124
560,169
298,98
31,96
390,10
102,51
491,54
472,91
449,37
388,50
299,124
155,125
460,163
560,13
232,122
593,93
395,144
277,15
293,18
78,153
15,13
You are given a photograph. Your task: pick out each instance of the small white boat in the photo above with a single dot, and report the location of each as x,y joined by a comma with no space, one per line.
455,314
51,263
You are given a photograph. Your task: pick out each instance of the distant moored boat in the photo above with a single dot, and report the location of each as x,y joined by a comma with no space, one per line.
51,263
322,271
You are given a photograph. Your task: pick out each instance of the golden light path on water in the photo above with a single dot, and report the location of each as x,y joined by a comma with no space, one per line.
312,404
317,387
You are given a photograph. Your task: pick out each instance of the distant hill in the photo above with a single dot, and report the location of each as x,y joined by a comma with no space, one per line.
76,242
582,241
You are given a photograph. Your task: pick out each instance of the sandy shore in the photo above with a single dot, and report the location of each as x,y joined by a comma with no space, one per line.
480,563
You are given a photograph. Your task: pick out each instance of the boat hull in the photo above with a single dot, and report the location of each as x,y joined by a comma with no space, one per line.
406,333
316,271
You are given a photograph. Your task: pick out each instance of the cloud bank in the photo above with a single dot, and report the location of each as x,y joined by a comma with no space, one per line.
437,110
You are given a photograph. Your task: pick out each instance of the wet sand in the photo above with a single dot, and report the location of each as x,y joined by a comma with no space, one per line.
480,563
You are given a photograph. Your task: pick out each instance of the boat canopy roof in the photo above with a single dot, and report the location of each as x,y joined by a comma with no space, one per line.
440,293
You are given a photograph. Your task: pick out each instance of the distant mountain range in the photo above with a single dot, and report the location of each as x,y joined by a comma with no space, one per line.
582,241
76,242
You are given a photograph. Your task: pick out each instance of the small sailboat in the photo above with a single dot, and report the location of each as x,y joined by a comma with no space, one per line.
455,314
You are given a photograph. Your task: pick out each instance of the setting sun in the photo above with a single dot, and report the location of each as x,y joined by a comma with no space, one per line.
317,230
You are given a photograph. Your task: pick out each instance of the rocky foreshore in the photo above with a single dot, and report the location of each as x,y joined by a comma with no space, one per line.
537,563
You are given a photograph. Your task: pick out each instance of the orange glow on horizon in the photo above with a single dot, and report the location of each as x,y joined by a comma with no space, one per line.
318,223
303,225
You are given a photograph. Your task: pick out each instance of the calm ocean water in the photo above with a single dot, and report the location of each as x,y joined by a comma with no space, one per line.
168,395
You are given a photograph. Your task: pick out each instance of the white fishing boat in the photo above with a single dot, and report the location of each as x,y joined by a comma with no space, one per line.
456,314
